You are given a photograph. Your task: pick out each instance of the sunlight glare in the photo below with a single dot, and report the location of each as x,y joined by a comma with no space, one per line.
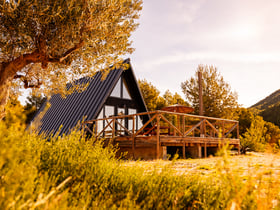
244,31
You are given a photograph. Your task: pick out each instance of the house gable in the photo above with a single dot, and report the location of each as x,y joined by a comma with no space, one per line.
119,92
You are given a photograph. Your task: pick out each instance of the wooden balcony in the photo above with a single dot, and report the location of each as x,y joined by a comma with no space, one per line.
165,129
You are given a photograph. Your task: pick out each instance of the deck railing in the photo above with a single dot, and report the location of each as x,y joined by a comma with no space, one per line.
162,123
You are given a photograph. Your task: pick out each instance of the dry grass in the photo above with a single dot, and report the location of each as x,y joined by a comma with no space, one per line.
251,164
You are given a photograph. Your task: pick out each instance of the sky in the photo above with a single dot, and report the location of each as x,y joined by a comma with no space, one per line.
240,37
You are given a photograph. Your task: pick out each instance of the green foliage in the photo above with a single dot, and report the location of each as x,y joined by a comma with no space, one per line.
245,117
255,132
153,99
171,99
15,113
254,138
218,98
151,95
33,104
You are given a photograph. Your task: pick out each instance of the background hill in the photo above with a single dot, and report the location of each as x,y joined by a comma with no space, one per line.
270,108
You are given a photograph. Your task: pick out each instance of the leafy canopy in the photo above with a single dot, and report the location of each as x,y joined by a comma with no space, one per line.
47,43
218,98
153,99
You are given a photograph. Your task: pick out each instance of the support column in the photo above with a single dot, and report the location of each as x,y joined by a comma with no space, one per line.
158,130
199,150
239,149
133,137
205,150
184,150
164,152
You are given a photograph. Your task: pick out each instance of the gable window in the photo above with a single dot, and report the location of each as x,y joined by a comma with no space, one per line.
126,94
117,90
121,90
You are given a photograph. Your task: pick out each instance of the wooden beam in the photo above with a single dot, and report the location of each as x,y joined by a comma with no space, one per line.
200,93
184,150
147,123
199,150
158,130
192,129
164,119
230,130
212,126
205,150
133,138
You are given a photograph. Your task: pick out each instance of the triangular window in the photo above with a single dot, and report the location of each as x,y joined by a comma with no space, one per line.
126,94
120,90
117,90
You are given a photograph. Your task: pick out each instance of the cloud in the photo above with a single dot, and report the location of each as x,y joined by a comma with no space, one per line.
212,57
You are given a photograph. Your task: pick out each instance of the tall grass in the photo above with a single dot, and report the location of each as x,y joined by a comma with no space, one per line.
70,172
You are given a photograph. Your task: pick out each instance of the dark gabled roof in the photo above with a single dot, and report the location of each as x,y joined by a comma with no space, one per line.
86,105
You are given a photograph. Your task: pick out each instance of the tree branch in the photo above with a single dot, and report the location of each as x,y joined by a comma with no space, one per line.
66,54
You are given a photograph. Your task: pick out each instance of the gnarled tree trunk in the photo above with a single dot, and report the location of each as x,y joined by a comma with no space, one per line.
8,71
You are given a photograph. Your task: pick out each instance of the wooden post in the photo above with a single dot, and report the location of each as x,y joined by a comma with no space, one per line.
199,150
158,130
205,150
184,124
184,150
114,128
164,152
200,100
96,129
237,135
200,93
133,137
204,127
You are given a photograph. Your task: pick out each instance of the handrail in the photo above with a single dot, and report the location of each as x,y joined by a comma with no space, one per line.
205,126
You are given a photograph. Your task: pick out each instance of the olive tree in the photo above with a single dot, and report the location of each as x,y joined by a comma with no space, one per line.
45,43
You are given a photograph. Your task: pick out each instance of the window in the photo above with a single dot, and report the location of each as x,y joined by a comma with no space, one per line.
130,120
121,90
117,90
126,94
109,111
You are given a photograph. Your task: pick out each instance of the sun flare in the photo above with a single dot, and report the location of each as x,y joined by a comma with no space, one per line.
244,31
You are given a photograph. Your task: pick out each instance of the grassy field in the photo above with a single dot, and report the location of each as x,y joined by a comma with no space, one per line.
70,172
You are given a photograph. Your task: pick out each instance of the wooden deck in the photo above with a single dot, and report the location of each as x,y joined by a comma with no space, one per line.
196,135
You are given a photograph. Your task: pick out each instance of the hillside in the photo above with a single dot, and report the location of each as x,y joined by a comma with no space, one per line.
270,100
270,108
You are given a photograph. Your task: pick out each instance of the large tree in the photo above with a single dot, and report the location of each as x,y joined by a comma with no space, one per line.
218,98
151,95
45,43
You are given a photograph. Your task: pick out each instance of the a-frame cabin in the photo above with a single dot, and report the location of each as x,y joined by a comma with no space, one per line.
114,110
117,94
